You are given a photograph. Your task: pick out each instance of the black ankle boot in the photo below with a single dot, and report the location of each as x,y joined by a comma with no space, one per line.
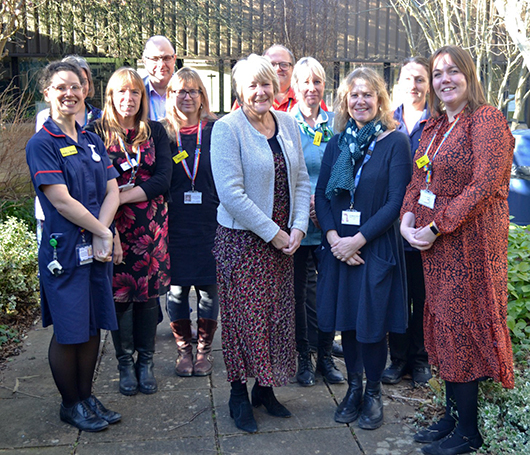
350,407
265,396
145,322
372,409
240,408
306,372
325,364
124,345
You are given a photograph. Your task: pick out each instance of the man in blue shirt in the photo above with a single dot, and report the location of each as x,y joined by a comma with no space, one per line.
159,60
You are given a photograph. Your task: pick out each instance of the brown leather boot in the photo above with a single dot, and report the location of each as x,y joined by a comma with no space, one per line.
182,332
203,363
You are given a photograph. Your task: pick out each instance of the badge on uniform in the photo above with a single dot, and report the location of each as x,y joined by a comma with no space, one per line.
318,138
192,197
427,198
351,217
180,156
84,254
67,151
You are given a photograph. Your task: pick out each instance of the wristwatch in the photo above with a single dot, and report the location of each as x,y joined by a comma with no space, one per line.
434,229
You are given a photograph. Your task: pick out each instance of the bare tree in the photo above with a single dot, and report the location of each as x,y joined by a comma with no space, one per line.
477,26
11,15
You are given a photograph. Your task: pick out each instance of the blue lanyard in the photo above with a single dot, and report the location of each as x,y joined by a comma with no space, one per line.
358,175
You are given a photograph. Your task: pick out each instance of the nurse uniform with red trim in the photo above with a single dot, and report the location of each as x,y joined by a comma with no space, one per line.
77,300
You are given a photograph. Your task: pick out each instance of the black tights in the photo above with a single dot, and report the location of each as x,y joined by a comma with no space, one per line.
73,368
368,356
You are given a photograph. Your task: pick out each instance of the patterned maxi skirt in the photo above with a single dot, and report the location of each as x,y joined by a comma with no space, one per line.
256,297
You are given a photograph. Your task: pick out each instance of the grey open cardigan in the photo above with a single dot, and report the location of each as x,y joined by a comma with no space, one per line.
243,171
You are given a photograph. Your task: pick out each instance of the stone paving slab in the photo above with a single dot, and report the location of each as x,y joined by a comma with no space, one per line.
331,441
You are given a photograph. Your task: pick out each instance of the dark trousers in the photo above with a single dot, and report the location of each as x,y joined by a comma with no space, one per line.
305,292
410,347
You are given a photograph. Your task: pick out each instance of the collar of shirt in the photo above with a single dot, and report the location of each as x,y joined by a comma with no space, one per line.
322,117
53,129
287,104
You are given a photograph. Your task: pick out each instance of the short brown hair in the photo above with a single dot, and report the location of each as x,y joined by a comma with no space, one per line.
462,59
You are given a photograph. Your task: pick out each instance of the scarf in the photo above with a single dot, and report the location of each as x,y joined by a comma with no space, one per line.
353,143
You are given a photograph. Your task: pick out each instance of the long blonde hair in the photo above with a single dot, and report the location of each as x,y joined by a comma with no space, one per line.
377,84
181,77
109,126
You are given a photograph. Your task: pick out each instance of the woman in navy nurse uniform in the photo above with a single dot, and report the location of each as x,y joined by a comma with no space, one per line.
361,284
76,185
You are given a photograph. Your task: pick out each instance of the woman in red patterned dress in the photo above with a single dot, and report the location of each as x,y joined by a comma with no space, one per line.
139,150
456,211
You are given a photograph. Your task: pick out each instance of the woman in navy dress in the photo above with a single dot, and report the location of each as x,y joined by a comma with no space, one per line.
76,185
192,220
139,150
361,285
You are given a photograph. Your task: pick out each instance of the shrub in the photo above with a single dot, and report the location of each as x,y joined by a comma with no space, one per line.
19,283
519,289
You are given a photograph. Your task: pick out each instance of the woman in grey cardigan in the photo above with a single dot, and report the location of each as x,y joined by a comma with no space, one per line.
263,187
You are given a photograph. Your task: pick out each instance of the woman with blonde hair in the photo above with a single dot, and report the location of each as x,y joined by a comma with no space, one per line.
139,150
361,285
261,178
192,220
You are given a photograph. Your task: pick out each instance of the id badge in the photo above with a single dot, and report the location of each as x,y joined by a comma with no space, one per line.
84,254
351,217
126,187
318,138
125,166
427,198
192,197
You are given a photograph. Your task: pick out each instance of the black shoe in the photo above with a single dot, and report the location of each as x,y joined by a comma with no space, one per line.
82,417
372,410
326,366
146,378
101,411
394,373
306,372
454,444
265,396
240,408
421,376
350,407
336,350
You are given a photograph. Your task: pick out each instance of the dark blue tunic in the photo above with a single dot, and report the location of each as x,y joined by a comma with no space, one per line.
78,302
369,298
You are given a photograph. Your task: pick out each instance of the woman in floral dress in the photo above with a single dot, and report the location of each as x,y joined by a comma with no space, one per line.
263,187
139,150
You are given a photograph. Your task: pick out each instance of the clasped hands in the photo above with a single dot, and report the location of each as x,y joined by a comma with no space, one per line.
102,247
421,238
288,244
346,249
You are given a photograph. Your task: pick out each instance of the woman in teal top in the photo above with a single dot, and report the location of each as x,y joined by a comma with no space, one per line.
316,129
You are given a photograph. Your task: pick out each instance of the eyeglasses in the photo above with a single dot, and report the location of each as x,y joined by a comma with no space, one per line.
181,94
283,65
64,88
164,58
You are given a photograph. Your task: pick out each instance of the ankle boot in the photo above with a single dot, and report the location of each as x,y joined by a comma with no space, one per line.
306,372
350,407
372,409
325,364
124,345
182,332
203,363
265,396
145,322
240,408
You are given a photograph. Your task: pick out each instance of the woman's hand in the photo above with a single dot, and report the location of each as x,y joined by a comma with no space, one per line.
281,240
118,250
409,233
313,213
102,246
294,242
425,237
349,249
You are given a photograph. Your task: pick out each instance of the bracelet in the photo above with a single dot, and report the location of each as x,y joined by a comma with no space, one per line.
434,229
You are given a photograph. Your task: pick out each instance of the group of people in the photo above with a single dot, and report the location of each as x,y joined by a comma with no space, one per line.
247,207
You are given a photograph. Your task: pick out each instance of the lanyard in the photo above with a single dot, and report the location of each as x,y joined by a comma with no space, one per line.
327,133
358,175
197,156
134,164
428,167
